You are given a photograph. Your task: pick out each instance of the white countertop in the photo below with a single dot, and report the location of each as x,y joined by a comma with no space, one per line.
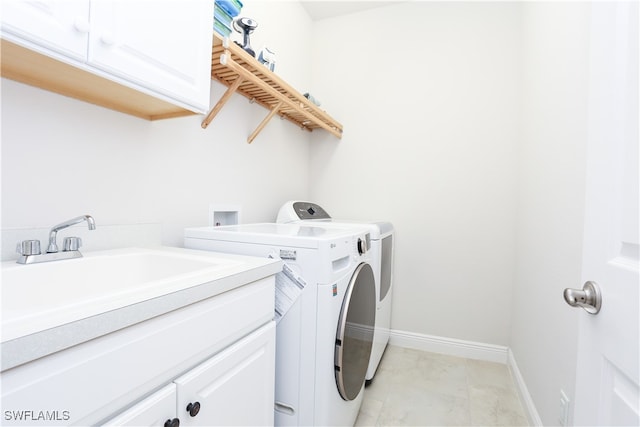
29,333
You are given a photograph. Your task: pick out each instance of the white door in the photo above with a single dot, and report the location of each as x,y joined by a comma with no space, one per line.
608,360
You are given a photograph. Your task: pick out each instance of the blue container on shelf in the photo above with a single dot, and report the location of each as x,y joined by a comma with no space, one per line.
222,16
232,7
221,28
238,4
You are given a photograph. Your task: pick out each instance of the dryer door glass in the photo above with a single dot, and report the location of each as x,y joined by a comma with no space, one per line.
355,332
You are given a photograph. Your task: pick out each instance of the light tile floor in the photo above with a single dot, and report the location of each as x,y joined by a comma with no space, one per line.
417,388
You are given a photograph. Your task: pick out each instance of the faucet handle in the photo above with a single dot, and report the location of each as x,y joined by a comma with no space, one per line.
28,247
71,244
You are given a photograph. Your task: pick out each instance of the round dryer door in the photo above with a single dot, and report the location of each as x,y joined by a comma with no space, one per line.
355,332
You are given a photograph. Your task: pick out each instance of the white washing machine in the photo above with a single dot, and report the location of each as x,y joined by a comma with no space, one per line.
382,242
324,340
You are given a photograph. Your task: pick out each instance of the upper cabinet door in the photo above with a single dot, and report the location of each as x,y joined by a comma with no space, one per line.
59,25
162,45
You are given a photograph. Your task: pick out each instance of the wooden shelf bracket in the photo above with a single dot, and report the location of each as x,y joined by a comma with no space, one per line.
242,73
223,100
264,122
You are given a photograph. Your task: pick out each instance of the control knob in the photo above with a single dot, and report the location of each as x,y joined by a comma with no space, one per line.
362,246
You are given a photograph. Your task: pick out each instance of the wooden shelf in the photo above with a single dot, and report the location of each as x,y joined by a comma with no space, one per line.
242,73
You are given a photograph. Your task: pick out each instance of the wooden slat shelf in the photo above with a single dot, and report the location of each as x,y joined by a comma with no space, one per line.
243,74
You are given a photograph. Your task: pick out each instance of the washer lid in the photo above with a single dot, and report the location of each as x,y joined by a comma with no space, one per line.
295,235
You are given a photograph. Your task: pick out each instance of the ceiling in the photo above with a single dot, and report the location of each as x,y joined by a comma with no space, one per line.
322,9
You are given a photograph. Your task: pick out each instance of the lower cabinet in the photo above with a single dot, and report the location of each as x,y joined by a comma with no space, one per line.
159,409
209,363
234,387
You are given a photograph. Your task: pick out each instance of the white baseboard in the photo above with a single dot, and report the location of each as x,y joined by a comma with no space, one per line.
451,346
523,393
471,350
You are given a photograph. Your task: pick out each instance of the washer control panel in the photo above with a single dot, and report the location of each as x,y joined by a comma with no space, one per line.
361,245
364,244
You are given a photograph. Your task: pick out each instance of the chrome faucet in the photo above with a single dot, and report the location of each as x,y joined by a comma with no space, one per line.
29,250
53,247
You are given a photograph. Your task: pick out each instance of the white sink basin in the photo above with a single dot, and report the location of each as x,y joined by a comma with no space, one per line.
41,296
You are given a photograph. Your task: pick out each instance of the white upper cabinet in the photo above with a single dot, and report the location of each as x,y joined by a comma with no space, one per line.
159,48
59,25
164,45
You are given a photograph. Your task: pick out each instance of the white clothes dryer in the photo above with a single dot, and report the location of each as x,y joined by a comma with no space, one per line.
382,245
324,340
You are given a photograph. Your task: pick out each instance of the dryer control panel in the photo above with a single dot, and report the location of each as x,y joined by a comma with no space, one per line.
308,210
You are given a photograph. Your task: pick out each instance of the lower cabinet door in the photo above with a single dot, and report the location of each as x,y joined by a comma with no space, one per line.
156,410
234,387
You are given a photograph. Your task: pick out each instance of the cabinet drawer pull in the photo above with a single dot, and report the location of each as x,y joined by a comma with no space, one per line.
193,408
172,423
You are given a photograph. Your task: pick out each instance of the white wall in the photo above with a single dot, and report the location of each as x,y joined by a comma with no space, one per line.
467,128
62,157
551,199
430,93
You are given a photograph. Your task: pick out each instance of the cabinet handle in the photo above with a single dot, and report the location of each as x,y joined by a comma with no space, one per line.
172,423
81,25
193,408
107,39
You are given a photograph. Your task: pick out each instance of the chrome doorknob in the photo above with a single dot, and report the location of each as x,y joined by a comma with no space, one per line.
589,297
